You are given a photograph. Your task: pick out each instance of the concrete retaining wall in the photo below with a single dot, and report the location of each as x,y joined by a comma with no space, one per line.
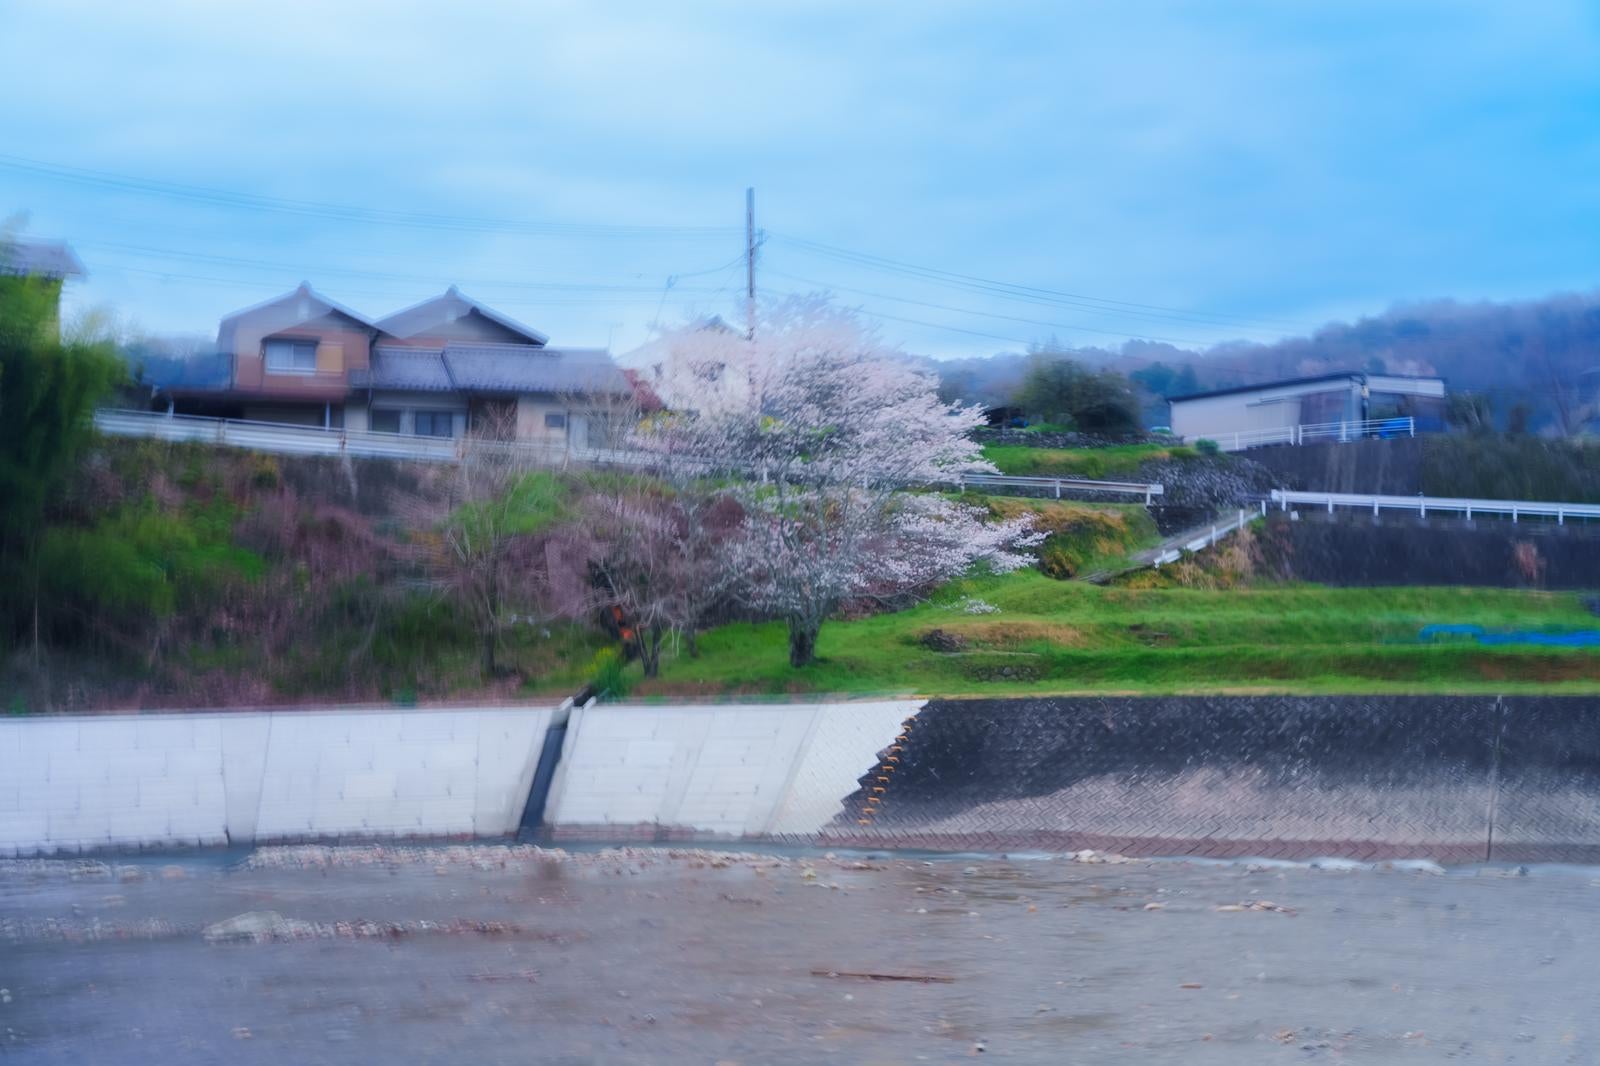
725,771
1386,467
109,781
1451,778
1352,548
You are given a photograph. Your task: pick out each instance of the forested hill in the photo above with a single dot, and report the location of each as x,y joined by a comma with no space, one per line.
1541,354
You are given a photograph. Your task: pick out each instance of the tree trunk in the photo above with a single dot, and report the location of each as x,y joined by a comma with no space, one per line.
491,628
650,650
802,642
36,621
489,642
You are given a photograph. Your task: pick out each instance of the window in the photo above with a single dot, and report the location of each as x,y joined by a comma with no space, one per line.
292,357
434,423
386,421
555,420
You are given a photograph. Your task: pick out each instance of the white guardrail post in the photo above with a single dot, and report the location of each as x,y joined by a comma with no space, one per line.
1515,510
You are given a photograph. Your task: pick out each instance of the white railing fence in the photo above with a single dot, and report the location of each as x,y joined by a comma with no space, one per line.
1218,531
1426,505
1057,485
284,439
1310,433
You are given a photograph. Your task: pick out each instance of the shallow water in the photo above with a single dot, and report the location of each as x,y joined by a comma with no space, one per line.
648,960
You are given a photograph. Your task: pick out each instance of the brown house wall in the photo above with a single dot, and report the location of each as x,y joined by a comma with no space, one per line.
341,347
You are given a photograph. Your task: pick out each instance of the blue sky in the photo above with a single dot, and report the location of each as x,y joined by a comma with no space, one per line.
1233,169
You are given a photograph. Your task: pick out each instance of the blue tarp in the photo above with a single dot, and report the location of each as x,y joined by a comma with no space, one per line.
1577,638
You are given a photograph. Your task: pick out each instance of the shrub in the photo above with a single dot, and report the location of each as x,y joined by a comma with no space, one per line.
264,473
1077,536
1207,447
607,673
140,565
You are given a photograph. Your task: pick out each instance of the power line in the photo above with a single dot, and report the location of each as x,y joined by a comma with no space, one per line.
984,314
1034,293
348,212
258,265
735,261
397,294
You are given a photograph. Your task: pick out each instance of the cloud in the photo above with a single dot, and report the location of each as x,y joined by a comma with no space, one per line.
1256,159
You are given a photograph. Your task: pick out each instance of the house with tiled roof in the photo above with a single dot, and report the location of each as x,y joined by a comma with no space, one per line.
46,263
435,369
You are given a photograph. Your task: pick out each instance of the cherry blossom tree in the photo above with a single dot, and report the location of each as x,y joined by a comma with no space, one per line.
657,553
823,434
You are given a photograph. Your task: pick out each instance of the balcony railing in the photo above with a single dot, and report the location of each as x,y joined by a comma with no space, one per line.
1311,433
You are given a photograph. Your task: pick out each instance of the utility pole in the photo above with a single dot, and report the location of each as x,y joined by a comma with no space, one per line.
750,262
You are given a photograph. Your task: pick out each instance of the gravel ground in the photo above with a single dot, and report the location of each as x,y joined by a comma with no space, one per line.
518,955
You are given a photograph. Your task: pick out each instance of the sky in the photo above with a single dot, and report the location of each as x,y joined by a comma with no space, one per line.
975,176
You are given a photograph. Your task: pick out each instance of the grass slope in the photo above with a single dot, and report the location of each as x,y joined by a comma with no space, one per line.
1119,460
1054,637
1080,538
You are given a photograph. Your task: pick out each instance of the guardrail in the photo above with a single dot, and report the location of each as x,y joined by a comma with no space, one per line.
1206,540
286,439
1310,433
1423,505
1058,485
310,440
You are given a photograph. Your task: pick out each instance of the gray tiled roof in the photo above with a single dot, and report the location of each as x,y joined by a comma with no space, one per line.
493,368
502,368
50,259
413,369
290,309
438,310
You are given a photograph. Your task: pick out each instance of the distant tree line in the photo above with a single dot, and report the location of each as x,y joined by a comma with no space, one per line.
1529,367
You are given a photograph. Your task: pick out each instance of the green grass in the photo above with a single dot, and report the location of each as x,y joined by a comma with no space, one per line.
1058,637
1118,460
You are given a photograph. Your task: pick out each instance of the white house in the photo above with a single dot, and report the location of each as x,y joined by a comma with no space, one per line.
1273,412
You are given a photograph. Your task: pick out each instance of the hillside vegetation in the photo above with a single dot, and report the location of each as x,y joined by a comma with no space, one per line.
1116,461
1026,633
1080,538
178,575
186,574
